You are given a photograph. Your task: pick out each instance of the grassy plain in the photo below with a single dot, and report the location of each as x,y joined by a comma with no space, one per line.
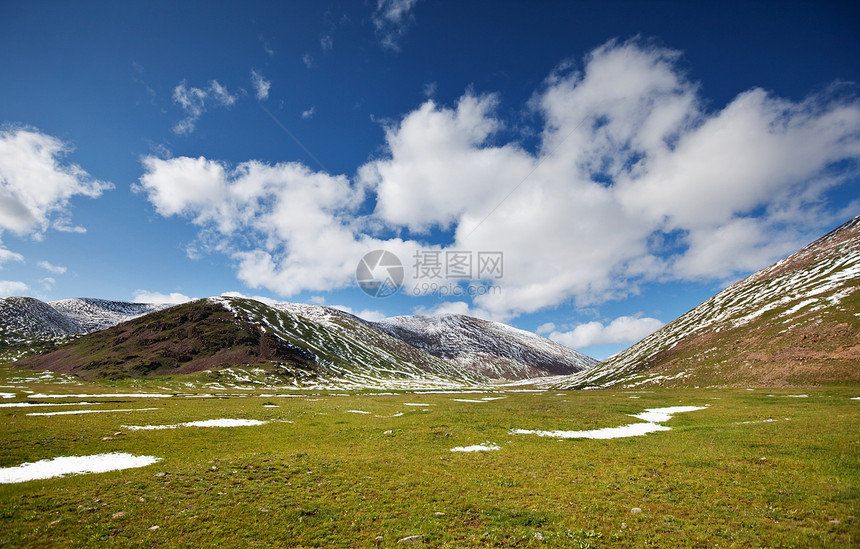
755,469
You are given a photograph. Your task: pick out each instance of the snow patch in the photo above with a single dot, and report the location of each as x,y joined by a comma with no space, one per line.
654,416
73,465
102,395
7,395
43,404
203,423
483,447
632,430
661,415
356,412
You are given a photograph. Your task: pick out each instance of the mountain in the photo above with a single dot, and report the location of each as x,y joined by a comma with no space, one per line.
28,326
492,349
97,314
796,322
291,344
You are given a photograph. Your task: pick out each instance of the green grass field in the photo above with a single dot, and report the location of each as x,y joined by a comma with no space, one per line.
317,475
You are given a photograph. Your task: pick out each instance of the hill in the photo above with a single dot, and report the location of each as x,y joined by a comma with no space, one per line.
796,322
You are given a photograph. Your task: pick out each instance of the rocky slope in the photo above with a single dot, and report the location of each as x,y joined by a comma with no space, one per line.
492,349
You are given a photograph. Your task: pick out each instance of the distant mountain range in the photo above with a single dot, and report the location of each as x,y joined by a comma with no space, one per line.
796,322
293,343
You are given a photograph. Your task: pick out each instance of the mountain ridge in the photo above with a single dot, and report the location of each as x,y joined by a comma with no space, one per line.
792,323
311,343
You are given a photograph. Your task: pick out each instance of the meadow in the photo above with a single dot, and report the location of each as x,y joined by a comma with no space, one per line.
754,468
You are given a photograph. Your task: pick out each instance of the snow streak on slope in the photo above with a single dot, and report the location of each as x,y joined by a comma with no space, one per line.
793,301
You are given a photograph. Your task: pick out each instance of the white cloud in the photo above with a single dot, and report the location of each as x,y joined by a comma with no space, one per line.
309,113
261,85
36,186
47,283
545,328
291,216
327,42
8,255
437,153
633,181
261,299
56,269
625,329
195,100
391,19
144,296
12,288
308,60
370,315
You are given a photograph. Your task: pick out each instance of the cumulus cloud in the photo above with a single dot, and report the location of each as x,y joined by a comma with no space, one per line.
36,185
625,329
56,269
195,100
10,288
634,180
308,114
145,296
392,19
296,220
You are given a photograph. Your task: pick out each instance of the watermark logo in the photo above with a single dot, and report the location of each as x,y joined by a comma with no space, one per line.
446,273
379,273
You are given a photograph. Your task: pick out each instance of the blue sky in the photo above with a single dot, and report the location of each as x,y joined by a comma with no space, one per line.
623,160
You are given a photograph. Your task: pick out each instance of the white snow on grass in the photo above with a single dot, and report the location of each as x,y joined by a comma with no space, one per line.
660,415
43,404
76,412
855,398
270,406
632,430
356,412
797,396
653,417
415,404
73,465
7,395
483,447
203,423
467,400
102,395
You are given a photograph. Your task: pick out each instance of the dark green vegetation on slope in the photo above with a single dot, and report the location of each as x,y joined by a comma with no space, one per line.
756,468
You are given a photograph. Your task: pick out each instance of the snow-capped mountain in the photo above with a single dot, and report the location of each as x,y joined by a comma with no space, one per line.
490,348
28,325
796,322
301,345
92,315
